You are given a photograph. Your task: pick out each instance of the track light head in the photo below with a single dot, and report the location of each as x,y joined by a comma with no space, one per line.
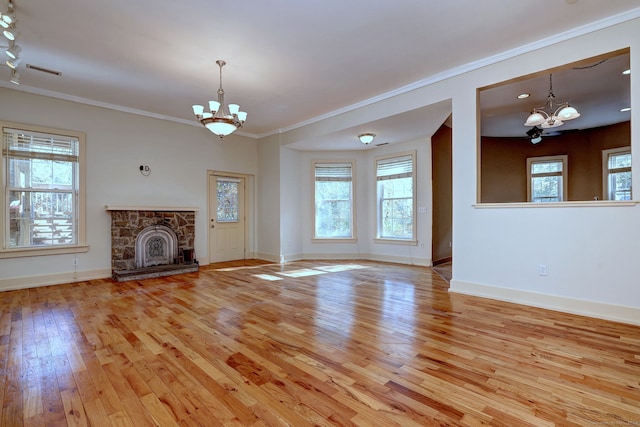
15,77
13,51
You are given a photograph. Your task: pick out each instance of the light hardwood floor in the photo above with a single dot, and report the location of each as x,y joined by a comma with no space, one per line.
306,344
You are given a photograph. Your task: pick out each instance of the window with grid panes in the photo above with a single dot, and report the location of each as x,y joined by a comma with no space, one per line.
42,196
395,189
333,198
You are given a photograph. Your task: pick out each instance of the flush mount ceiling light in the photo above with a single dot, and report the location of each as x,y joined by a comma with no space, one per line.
366,138
555,116
217,120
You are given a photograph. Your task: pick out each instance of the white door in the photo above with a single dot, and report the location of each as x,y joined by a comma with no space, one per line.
226,218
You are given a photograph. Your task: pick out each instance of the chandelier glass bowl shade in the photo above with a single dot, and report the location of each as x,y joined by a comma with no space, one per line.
219,119
552,114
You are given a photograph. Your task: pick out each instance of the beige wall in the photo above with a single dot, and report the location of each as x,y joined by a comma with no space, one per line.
504,160
118,143
442,191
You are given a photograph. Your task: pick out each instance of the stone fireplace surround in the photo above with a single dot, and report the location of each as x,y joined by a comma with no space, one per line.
128,221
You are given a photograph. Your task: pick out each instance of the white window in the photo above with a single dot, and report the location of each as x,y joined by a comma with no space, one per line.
547,179
616,173
333,195
43,203
396,194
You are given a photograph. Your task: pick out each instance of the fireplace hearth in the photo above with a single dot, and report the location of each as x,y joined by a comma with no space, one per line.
151,242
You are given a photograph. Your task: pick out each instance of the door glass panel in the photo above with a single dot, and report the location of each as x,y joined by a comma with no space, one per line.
227,210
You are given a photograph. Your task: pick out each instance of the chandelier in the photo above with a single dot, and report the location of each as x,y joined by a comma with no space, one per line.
557,113
218,119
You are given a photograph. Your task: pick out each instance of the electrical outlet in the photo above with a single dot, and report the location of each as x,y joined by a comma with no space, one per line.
542,270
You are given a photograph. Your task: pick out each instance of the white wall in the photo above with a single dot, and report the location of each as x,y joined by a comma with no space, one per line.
268,215
293,196
590,252
117,144
297,206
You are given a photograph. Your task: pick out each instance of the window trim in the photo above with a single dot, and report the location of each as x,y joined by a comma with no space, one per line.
605,169
413,241
81,245
353,238
565,181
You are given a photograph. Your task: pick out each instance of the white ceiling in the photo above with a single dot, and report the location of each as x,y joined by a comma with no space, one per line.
288,62
596,87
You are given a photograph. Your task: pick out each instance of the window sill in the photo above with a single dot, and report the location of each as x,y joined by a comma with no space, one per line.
396,242
334,240
27,252
580,204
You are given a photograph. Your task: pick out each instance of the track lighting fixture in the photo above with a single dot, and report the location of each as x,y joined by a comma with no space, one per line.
13,51
10,33
8,24
15,77
13,63
9,16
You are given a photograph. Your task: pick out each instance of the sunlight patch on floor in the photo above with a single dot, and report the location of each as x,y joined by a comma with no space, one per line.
302,273
340,267
267,277
336,268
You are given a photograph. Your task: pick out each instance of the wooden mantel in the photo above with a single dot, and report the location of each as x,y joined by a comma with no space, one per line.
151,208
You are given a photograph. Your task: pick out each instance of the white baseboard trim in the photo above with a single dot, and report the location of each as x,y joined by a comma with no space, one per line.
617,313
424,262
53,279
330,255
267,257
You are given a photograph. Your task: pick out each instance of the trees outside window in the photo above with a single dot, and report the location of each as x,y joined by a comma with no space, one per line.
395,188
547,179
42,190
334,201
616,173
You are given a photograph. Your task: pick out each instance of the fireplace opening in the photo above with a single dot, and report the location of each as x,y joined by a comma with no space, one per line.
156,245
